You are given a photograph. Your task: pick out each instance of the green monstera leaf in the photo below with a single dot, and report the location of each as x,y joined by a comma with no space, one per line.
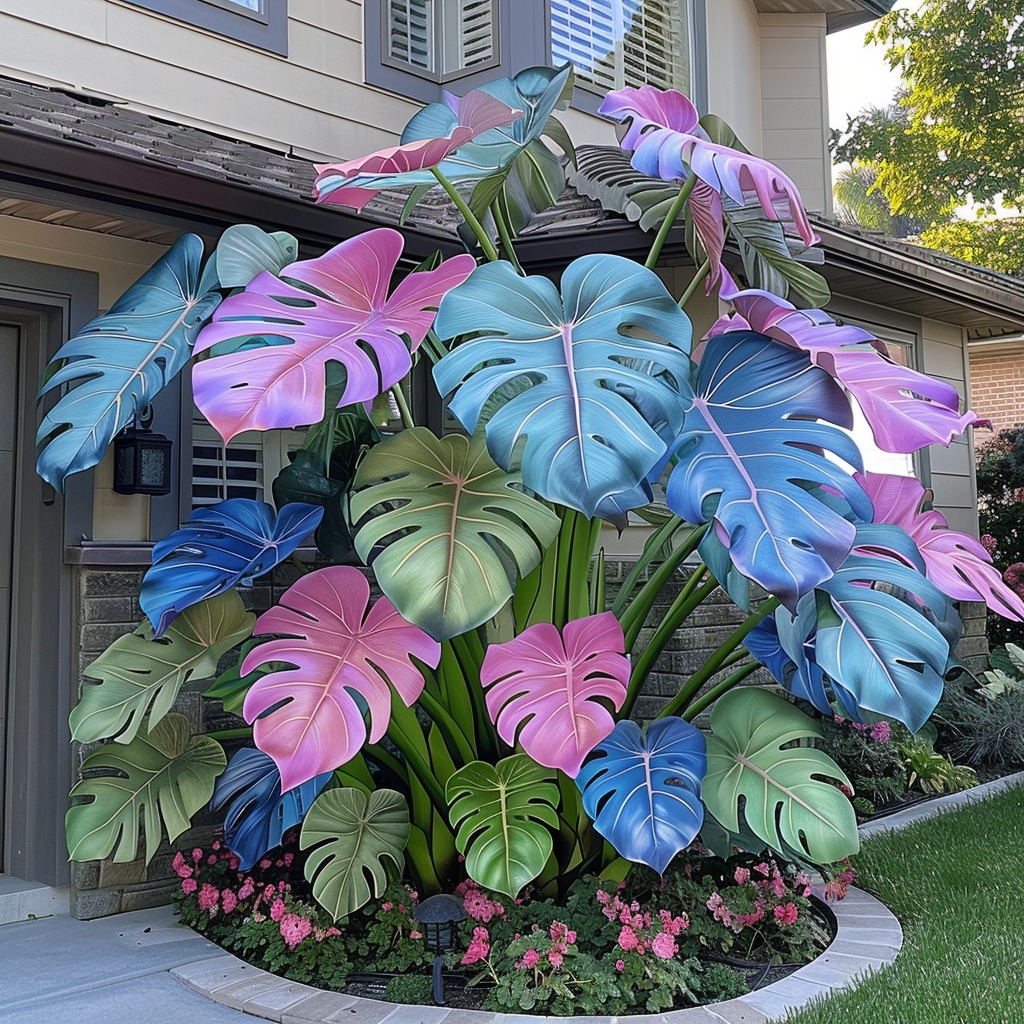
452,524
163,777
504,815
790,798
136,673
351,836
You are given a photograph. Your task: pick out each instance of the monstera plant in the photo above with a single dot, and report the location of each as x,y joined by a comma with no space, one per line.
480,702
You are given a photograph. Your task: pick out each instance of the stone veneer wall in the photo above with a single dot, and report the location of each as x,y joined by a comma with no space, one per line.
109,608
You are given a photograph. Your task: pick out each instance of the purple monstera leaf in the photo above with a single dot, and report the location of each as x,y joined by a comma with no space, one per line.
906,410
305,716
269,346
668,142
546,690
956,563
355,182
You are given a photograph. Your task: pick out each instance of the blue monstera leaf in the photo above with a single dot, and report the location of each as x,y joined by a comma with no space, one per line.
643,791
752,450
220,547
880,646
583,408
119,362
257,814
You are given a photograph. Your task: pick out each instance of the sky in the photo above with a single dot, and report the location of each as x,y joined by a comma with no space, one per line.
858,75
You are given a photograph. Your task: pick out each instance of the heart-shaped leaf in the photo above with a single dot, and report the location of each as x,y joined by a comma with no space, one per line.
220,547
350,837
269,346
788,791
161,777
551,692
137,674
751,442
602,401
451,524
504,815
245,250
643,791
341,649
257,815
121,361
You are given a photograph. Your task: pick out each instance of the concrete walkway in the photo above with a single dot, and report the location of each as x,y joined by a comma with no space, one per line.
143,968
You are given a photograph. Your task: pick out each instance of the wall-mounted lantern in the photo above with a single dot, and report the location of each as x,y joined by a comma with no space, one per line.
142,461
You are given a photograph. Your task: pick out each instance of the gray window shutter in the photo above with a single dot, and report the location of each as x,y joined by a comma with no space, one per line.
409,33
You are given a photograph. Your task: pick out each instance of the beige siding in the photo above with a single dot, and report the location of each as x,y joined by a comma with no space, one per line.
794,102
118,262
734,68
313,103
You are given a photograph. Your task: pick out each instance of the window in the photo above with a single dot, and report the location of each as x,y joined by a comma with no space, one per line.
261,23
440,39
615,43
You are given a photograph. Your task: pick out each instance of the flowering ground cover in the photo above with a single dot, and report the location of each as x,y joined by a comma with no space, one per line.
954,883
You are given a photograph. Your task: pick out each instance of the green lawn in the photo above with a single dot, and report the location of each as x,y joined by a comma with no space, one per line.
956,883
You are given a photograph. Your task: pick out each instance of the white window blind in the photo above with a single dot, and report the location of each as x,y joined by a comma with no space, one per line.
615,43
441,39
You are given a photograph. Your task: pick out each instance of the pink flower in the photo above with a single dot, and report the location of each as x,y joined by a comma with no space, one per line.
628,939
189,885
531,958
181,869
555,958
247,889
480,907
989,543
880,732
197,855
620,965
233,863
216,844
479,947
664,946
288,859
229,901
741,876
787,913
277,910
720,911
294,929
208,898
570,938
762,869
265,864
415,934
778,886
387,906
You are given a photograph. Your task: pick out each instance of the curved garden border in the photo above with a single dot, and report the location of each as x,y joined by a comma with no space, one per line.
868,937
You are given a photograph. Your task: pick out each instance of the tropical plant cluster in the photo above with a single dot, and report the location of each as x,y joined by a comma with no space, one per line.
475,719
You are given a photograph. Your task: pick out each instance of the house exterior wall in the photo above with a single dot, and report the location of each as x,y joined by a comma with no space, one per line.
734,68
997,386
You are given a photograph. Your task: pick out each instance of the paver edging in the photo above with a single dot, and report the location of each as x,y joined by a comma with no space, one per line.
869,923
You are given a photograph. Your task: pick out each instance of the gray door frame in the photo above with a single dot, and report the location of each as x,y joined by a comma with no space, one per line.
49,304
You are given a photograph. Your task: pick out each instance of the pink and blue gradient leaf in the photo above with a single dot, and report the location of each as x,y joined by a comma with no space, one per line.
268,347
584,408
119,362
355,182
643,791
751,444
220,547
307,717
552,692
905,409
257,815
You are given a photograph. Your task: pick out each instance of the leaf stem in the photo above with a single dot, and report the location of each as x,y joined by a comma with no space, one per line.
709,698
475,226
505,234
670,218
698,280
403,407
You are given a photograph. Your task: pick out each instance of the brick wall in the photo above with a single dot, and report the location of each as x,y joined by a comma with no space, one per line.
997,389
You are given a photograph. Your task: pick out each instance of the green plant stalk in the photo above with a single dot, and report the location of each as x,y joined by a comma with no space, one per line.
420,767
633,618
597,585
475,226
244,733
709,698
505,234
470,657
698,280
387,760
718,659
657,540
688,599
403,407
453,735
670,218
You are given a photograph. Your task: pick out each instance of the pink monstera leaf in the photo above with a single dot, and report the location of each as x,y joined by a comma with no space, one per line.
268,347
956,563
668,142
355,182
338,648
906,410
544,689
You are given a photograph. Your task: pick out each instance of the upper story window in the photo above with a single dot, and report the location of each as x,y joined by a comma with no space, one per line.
260,23
440,39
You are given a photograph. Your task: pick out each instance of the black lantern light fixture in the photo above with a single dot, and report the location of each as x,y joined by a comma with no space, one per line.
438,917
142,459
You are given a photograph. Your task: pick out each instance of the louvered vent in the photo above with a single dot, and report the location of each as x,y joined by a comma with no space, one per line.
476,36
222,471
441,39
614,43
410,35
